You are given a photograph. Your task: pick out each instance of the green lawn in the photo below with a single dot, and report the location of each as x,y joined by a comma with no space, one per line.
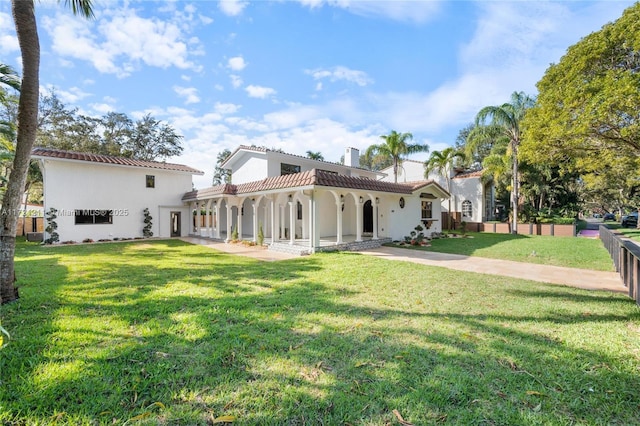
585,253
164,333
633,233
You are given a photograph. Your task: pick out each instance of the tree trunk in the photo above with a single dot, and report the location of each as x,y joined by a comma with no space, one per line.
395,170
514,191
27,31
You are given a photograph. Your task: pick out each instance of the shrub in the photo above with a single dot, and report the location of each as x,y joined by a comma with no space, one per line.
234,233
260,235
148,224
51,217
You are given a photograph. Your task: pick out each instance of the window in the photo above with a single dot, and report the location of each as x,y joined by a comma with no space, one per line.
93,217
427,211
467,208
288,169
151,181
299,210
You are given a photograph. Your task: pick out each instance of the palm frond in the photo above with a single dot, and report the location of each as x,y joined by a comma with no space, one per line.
81,7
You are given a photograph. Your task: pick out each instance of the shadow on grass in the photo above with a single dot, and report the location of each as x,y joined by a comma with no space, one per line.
304,341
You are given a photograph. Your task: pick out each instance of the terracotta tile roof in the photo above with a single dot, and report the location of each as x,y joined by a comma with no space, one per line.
464,175
309,178
109,159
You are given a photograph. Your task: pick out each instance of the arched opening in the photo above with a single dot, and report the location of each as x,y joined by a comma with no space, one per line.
367,217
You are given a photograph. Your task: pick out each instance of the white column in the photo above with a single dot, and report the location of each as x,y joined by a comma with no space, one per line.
339,222
209,219
255,221
191,224
292,221
216,208
375,219
228,222
198,220
281,222
310,221
240,221
273,221
316,221
265,224
359,209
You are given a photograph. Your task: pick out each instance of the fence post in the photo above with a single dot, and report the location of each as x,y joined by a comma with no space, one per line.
629,278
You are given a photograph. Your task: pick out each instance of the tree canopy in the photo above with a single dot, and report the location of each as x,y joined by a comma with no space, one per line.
112,134
506,119
221,175
590,99
395,147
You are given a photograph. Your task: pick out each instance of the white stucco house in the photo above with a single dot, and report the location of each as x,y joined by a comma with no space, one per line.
301,205
472,200
103,197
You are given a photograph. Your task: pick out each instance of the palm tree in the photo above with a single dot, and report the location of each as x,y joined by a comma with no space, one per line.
442,162
507,117
315,155
395,147
27,31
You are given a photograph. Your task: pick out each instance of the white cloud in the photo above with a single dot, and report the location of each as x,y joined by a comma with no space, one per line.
236,81
237,63
69,97
205,19
190,94
259,91
120,41
102,108
232,7
341,73
397,10
8,39
226,108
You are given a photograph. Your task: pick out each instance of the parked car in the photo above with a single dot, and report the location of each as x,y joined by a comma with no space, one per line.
597,216
609,216
629,220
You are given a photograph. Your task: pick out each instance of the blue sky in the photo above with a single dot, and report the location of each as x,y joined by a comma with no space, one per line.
302,75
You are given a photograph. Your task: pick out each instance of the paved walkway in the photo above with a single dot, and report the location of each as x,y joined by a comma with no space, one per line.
240,249
574,277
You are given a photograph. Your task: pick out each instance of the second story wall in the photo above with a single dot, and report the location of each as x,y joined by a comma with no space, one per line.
251,166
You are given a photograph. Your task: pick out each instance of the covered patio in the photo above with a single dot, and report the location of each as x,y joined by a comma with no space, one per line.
308,211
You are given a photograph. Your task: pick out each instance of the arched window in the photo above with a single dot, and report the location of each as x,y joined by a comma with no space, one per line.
467,208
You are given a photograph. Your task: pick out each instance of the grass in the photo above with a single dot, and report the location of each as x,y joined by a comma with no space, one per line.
632,233
168,333
585,253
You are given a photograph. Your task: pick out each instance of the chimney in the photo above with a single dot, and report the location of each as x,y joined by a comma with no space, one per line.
352,157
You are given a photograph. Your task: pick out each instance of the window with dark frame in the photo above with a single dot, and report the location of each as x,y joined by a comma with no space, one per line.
151,181
93,217
288,169
299,210
467,208
427,211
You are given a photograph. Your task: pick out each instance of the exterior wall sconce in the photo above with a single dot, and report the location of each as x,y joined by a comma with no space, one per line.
377,200
290,197
361,200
